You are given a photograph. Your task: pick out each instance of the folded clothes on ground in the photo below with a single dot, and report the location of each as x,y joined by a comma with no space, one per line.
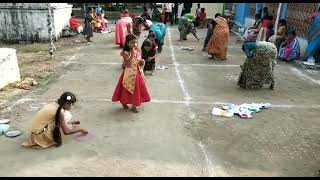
245,110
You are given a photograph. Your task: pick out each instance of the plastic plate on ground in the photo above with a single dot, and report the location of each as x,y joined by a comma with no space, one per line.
4,128
14,133
4,121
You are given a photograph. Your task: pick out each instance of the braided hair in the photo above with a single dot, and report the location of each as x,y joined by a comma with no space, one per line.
64,98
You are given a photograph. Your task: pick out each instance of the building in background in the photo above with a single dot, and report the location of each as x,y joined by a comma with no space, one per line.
211,8
28,21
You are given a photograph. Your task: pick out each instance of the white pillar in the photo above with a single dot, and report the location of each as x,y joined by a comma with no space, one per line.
277,19
9,69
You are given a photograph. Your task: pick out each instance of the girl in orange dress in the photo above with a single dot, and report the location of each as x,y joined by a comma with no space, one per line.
218,43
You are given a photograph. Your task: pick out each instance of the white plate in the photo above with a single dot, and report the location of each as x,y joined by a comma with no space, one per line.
4,128
4,121
13,133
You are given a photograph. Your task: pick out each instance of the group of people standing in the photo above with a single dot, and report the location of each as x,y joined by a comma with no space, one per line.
127,24
171,11
94,21
131,87
201,17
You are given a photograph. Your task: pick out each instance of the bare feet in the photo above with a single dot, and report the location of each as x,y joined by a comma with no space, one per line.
88,39
134,109
125,106
272,86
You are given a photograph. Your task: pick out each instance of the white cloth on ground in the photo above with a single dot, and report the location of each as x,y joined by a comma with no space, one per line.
244,110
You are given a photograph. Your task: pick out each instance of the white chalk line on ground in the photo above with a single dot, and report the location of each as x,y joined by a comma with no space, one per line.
196,102
187,98
211,171
178,64
181,82
69,60
302,75
210,65
186,95
192,116
235,33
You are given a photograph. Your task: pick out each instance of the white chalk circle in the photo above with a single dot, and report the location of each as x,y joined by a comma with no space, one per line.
80,137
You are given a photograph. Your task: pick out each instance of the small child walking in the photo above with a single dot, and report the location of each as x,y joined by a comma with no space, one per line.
149,50
131,87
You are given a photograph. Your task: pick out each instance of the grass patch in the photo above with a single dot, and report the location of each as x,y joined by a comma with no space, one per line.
8,87
27,48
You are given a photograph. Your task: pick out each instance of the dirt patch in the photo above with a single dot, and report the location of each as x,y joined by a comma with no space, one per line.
34,61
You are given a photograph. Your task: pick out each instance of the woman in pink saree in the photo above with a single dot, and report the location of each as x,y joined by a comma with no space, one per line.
123,27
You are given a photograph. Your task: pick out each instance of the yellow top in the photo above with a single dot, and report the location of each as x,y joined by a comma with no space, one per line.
282,31
42,127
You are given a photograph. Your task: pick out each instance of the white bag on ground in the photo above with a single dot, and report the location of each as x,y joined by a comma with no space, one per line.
221,112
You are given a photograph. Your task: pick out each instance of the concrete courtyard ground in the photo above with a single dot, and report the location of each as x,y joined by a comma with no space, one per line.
175,134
